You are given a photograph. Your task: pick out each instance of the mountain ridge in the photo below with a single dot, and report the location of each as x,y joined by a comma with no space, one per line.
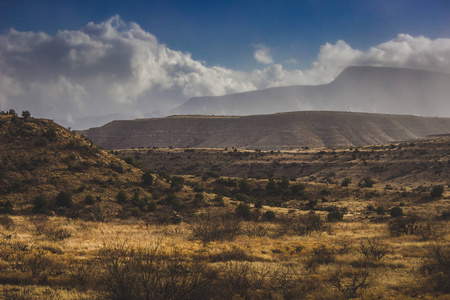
270,132
362,89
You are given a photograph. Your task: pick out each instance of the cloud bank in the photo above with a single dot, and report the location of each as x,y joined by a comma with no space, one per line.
116,67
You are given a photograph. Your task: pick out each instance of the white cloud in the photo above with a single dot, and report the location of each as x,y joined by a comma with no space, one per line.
117,67
262,54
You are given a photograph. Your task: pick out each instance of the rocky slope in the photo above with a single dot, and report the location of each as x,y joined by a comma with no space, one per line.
276,131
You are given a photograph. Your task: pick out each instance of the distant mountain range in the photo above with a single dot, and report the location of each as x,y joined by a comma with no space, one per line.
358,89
275,131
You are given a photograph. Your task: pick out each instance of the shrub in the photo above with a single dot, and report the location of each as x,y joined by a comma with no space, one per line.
26,114
373,249
298,189
147,179
408,225
198,199
437,267
396,212
346,181
366,182
214,226
176,183
243,210
239,280
244,186
351,281
302,224
334,215
6,222
89,200
437,191
151,207
41,204
6,207
320,256
269,216
122,197
64,199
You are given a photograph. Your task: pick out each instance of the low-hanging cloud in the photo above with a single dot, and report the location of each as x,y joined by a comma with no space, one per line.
117,67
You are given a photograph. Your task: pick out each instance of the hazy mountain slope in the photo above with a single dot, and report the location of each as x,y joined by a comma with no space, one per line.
365,89
276,131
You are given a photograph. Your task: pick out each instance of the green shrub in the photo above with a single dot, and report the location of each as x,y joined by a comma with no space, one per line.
89,200
396,212
269,215
366,182
122,197
41,204
346,181
64,199
176,183
437,191
243,210
334,215
147,179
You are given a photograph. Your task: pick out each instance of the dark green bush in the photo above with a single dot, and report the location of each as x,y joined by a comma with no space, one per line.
147,179
41,204
243,210
437,191
64,199
122,197
335,215
396,212
89,200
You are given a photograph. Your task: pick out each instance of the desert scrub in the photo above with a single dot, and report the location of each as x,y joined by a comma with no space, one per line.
215,225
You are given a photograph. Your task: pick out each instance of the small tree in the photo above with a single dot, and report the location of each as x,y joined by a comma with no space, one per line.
26,114
147,179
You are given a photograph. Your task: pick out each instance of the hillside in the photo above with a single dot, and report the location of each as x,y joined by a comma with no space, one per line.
276,131
422,162
363,89
41,158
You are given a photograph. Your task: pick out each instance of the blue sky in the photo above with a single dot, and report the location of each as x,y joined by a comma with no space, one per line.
68,60
225,32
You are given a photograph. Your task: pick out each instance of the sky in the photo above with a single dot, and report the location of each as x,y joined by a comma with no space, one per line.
68,60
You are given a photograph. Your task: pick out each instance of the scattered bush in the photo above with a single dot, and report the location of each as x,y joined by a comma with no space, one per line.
214,226
122,197
64,199
437,267
147,179
302,224
366,182
437,191
89,200
373,249
350,281
335,215
243,210
6,221
176,183
41,204
396,212
407,225
346,181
